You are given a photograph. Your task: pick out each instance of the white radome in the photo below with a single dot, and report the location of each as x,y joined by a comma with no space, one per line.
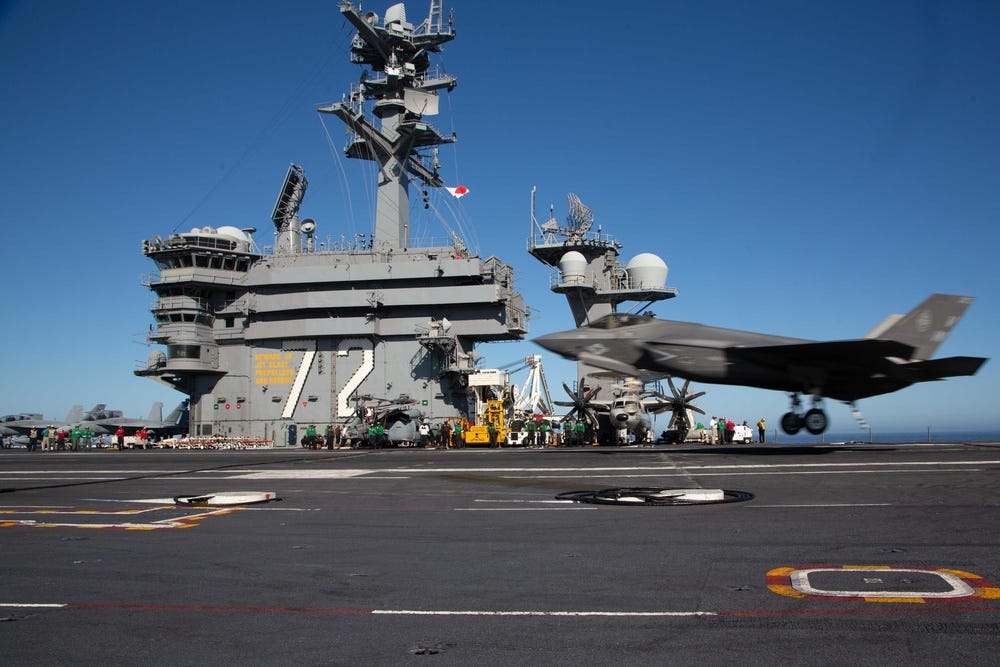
647,270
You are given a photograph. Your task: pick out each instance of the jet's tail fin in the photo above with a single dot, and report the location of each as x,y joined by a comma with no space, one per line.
176,415
155,413
926,326
75,414
91,414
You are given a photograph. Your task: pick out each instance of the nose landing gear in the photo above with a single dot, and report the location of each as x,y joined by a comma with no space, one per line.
814,420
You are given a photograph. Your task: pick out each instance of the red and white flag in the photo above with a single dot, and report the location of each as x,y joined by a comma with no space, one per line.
457,191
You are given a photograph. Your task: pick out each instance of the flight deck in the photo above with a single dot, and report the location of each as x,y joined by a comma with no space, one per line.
842,554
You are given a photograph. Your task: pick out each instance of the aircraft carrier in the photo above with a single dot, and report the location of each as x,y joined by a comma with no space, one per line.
266,344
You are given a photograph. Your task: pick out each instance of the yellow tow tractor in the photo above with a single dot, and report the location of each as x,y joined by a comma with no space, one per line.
493,416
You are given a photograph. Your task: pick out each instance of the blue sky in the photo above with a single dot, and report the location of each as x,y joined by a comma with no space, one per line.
803,168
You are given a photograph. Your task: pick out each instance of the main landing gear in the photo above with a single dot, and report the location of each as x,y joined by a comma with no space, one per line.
814,420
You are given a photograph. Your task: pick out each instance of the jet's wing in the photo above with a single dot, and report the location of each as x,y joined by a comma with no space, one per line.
866,352
607,363
618,369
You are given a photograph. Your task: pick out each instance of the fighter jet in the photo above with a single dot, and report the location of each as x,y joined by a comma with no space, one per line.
17,418
108,421
100,420
22,424
892,356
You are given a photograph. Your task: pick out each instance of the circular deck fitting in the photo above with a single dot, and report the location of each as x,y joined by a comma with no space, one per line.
225,499
646,496
880,583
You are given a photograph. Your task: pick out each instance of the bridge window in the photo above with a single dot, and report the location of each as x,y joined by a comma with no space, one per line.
184,351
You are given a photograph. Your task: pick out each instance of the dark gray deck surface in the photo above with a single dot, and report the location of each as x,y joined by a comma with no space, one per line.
465,557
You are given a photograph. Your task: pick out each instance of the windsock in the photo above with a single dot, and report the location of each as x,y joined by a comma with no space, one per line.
457,191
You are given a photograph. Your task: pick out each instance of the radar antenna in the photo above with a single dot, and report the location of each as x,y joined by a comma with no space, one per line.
580,217
293,190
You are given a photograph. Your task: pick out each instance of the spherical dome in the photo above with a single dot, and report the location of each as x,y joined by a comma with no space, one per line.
156,359
233,232
573,267
647,271
646,259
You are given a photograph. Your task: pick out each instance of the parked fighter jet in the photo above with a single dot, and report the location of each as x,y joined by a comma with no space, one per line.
17,418
108,421
894,355
22,424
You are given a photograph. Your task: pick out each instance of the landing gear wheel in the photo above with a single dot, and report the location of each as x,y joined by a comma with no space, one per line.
815,421
791,423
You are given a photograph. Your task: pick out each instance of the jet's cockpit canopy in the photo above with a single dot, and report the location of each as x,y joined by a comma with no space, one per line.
619,320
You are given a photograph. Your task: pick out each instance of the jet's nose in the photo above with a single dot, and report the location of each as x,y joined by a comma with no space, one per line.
561,342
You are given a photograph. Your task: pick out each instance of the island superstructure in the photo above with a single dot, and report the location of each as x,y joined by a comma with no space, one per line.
268,343
589,272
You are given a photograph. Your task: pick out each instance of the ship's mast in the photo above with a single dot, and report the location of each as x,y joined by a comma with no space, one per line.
403,92
590,272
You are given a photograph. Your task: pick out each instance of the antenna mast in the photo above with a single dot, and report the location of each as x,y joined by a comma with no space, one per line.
402,90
